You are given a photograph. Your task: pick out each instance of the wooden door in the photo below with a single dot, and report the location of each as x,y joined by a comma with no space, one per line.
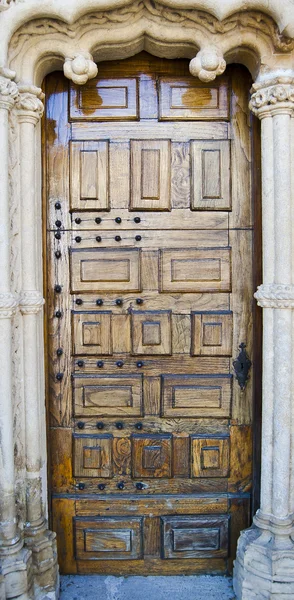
149,288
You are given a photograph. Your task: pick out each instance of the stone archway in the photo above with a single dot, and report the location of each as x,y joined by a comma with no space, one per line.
265,565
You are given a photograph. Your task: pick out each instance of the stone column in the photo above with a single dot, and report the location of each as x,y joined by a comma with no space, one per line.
40,541
15,561
264,566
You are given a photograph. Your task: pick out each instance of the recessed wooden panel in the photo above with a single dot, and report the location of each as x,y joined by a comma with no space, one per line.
196,396
92,455
151,456
210,456
105,100
89,173
188,99
211,172
108,395
194,537
105,270
113,538
92,333
150,172
212,333
206,270
151,332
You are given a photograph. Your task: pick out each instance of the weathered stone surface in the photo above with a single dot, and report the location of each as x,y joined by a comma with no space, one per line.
37,37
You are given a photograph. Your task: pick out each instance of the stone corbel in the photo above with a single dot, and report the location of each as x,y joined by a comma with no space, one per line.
80,68
207,64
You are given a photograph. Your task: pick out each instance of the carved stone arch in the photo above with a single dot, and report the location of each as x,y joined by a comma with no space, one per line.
32,45
251,37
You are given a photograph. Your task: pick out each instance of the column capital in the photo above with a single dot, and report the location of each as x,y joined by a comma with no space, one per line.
275,96
8,304
273,295
29,104
8,92
31,302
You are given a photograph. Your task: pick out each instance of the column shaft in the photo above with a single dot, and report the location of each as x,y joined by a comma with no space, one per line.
267,144
31,302
9,535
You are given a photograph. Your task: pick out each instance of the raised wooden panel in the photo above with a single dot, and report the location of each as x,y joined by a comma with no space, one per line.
92,332
205,270
188,99
211,189
89,173
210,456
113,538
104,100
151,456
212,333
92,455
105,270
196,395
194,537
151,332
108,395
150,172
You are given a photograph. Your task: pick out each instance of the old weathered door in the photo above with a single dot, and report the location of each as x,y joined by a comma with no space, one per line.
149,291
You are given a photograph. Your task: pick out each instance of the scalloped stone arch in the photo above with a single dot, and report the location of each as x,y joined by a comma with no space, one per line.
251,38
36,38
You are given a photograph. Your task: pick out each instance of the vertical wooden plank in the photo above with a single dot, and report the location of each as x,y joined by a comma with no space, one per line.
150,269
151,395
57,134
119,174
181,334
241,306
61,459
151,536
148,97
181,456
180,175
241,215
240,479
121,334
63,515
239,519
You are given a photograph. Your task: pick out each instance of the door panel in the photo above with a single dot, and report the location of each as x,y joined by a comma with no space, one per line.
149,287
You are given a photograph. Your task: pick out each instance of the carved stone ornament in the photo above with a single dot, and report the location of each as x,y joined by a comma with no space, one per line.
8,304
80,68
277,93
30,100
31,302
4,4
274,295
8,89
208,63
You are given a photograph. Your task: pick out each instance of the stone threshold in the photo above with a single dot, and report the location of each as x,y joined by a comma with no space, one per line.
96,587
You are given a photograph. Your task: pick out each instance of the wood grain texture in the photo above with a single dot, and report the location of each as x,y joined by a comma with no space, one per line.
149,236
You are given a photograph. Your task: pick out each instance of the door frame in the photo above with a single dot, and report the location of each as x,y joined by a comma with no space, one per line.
31,49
